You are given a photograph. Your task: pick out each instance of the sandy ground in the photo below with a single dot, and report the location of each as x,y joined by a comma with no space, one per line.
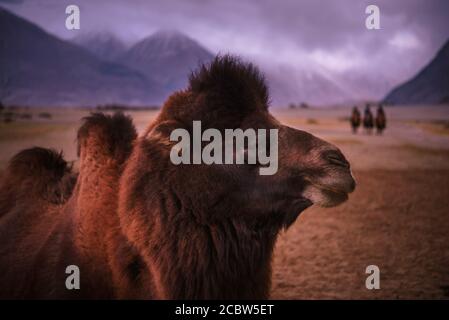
397,219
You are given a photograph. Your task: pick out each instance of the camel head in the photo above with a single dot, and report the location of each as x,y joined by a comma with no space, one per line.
228,94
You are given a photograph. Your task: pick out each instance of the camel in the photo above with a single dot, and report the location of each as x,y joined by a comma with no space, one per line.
355,119
368,120
139,227
381,119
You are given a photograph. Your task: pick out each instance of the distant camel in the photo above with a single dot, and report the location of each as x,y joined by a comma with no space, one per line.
368,121
356,119
138,226
381,120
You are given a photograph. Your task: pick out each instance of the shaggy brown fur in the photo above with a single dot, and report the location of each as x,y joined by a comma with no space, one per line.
139,226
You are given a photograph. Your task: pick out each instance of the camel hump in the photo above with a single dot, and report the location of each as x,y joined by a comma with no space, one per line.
37,173
232,81
106,136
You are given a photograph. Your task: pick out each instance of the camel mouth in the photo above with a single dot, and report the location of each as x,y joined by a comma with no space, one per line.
336,196
330,195
334,190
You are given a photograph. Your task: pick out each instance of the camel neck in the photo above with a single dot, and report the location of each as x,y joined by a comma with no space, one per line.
224,260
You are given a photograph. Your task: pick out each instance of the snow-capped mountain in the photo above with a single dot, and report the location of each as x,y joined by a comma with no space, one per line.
167,57
102,44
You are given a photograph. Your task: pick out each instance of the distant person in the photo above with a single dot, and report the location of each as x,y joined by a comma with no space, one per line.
356,119
381,119
368,121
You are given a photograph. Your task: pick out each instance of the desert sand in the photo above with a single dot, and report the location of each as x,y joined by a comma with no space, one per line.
397,219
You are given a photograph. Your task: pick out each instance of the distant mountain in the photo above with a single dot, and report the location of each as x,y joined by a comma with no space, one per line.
37,68
103,44
429,86
168,57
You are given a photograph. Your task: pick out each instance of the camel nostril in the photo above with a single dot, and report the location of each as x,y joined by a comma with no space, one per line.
336,158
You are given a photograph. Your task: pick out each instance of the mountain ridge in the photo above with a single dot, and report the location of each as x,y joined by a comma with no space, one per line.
38,68
167,56
103,44
429,86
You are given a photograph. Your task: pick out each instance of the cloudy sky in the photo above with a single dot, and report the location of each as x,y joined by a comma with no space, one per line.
320,33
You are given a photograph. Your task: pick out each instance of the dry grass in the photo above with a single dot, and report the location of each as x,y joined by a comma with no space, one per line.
423,151
25,130
435,127
312,121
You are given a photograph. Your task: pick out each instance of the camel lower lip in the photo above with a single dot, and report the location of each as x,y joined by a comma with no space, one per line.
336,196
336,192
331,190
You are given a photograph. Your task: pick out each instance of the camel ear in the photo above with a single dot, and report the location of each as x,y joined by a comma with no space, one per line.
160,132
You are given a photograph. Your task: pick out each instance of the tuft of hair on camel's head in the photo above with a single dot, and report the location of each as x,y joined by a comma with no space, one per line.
216,224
